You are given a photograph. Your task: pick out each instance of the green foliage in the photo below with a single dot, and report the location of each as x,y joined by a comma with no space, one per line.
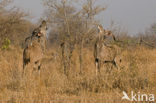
6,44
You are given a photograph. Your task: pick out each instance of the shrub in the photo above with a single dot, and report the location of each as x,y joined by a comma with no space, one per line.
6,43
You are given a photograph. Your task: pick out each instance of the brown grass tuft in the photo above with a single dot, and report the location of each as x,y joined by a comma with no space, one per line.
136,72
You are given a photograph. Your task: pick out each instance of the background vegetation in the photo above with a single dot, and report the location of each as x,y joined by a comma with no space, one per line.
68,73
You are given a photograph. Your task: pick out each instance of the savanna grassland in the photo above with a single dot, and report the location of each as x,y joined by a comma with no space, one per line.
136,73
135,58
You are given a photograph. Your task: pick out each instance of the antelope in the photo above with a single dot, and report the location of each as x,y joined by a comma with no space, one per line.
37,32
33,54
34,51
103,53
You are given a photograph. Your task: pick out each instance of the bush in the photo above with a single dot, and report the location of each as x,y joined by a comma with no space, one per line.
6,43
14,24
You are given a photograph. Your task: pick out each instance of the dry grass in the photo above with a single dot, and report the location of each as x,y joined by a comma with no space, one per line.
136,72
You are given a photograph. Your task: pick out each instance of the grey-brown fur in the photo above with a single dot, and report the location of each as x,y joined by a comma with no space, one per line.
104,53
38,32
33,54
35,48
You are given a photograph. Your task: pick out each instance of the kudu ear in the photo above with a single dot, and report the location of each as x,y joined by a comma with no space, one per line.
100,28
111,34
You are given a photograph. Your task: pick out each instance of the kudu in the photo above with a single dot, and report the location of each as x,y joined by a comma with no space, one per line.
34,50
103,53
38,32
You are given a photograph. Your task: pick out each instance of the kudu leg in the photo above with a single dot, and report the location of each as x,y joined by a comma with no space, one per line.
98,66
112,62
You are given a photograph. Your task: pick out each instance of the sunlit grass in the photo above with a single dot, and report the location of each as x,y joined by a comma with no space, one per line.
135,72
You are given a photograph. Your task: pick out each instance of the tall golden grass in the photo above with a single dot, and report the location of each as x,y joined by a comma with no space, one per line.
136,71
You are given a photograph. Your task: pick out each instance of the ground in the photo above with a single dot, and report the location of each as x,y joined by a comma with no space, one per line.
136,72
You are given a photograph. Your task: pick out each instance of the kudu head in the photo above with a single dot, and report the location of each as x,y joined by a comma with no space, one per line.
104,32
43,28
